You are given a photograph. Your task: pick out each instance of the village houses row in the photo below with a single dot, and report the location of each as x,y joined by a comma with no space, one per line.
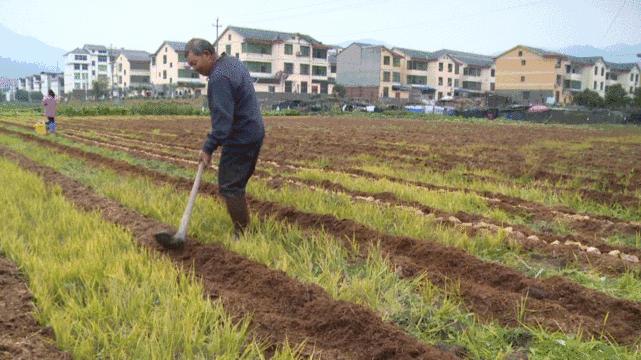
282,62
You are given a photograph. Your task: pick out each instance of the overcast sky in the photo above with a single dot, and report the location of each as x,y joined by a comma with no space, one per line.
481,26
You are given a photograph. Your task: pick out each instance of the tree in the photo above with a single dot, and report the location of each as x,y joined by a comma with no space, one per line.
588,98
36,96
616,96
637,97
100,88
2,96
339,90
22,95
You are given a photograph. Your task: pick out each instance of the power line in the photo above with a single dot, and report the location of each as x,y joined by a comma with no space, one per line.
613,19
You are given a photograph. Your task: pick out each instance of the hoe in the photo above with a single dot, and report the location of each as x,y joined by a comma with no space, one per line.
170,241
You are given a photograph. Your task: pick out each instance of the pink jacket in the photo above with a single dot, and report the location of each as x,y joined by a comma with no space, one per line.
50,106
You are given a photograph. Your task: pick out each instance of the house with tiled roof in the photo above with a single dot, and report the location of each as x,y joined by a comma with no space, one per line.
280,62
531,75
171,75
85,65
132,72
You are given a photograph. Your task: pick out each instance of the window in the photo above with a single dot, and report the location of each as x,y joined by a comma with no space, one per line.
76,86
289,68
93,63
602,71
559,80
171,80
288,86
596,70
386,92
386,76
449,81
272,89
471,71
456,69
304,69
164,59
396,77
631,77
289,49
526,95
102,59
522,78
85,67
320,53
260,67
76,66
386,60
171,65
187,74
93,72
164,74
416,80
153,61
333,69
119,79
80,57
493,73
520,53
595,85
165,49
637,78
440,81
319,70
119,66
440,66
492,86
85,76
522,62
631,89
228,49
397,62
303,87
472,85
456,83
440,95
229,37
304,51
568,69
449,68
607,76
76,76
416,65
601,87
449,94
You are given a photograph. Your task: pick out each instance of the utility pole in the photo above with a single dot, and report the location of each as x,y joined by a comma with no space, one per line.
217,26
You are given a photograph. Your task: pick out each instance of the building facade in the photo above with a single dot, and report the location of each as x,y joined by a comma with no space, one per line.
132,73
280,62
85,65
171,75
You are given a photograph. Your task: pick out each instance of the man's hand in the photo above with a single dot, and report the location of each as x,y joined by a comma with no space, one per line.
205,158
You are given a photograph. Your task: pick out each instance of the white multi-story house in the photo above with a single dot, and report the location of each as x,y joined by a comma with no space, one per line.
171,75
85,65
131,72
280,62
52,81
596,74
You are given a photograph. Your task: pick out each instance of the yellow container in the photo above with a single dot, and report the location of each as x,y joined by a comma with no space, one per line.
41,129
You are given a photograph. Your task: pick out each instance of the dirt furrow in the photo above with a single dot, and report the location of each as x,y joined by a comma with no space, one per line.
281,308
491,290
21,337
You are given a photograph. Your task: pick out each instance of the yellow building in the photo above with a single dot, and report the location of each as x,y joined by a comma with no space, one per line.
530,75
131,72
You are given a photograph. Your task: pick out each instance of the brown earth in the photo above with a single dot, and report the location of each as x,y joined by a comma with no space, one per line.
490,290
21,337
281,308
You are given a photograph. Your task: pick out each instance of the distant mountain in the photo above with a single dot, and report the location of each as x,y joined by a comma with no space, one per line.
616,53
24,55
13,69
365,41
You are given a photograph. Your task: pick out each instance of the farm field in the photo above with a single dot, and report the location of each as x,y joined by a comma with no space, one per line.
370,238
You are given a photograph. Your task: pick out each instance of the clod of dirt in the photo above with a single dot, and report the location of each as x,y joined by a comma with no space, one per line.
614,253
593,250
533,238
630,258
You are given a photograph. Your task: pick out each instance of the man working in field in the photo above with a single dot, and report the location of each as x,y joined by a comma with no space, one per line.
236,122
